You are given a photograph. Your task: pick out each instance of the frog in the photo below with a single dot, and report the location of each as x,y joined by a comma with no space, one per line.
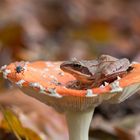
96,72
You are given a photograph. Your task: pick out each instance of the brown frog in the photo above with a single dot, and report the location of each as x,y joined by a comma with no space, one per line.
93,73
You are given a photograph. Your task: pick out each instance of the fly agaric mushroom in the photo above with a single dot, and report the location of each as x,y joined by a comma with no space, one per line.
46,82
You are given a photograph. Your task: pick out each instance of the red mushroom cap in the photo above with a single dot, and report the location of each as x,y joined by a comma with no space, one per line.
45,81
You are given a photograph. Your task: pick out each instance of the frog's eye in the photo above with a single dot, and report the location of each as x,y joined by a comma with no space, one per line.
129,69
77,66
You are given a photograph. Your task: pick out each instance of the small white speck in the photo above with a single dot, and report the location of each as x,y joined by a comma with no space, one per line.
20,82
37,85
90,93
105,83
53,93
116,86
34,84
42,91
118,77
6,72
25,66
102,86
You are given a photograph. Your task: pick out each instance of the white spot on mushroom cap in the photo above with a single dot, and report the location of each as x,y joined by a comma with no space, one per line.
102,86
118,77
54,93
116,87
37,85
34,84
25,66
6,72
90,93
106,83
42,91
20,82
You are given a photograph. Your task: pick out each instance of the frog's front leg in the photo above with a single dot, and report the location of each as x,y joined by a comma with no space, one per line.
76,84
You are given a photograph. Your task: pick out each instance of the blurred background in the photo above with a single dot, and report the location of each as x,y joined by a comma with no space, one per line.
60,30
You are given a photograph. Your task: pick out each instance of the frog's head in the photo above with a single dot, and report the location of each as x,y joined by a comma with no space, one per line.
78,69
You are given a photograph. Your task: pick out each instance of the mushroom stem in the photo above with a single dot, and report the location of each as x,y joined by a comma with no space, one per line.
78,124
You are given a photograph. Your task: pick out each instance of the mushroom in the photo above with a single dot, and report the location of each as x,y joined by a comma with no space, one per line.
45,81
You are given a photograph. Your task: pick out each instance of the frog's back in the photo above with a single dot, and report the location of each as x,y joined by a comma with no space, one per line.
92,65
